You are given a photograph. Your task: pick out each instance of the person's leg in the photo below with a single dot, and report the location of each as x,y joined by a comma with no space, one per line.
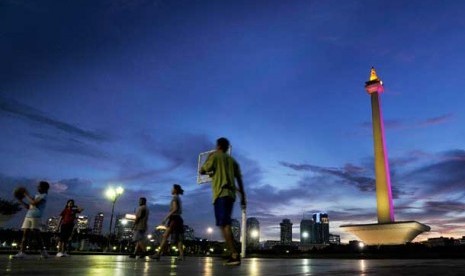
163,243
23,241
181,249
229,240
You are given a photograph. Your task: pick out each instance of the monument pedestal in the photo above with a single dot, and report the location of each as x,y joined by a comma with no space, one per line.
391,233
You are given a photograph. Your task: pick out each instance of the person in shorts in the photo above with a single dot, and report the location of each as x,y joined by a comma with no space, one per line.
175,227
66,226
225,171
33,220
140,228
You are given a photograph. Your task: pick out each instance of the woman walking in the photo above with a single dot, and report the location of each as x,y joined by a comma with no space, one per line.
175,226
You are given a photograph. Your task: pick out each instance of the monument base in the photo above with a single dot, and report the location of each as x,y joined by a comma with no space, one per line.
399,232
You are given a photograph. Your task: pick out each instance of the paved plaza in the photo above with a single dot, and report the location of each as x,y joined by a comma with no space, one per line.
122,265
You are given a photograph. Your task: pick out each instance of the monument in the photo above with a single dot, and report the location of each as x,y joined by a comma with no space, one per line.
387,230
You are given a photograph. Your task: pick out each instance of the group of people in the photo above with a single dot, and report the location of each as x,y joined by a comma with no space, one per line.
32,222
220,166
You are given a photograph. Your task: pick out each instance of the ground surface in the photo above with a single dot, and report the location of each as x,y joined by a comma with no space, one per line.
122,265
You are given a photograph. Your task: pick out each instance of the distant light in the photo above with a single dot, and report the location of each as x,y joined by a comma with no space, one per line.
124,221
211,250
114,247
149,247
361,245
254,233
287,251
209,230
149,236
305,235
119,190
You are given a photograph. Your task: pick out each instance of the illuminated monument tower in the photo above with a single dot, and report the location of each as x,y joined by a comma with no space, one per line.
386,231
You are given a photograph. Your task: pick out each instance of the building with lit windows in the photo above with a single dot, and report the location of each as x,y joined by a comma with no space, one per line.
82,224
307,236
286,232
321,228
123,227
253,233
98,224
52,224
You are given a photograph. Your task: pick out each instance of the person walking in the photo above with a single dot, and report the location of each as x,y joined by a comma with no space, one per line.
175,223
140,229
225,171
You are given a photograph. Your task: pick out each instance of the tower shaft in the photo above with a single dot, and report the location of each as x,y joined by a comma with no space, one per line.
383,180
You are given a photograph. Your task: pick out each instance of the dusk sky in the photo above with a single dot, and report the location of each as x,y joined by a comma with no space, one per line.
115,92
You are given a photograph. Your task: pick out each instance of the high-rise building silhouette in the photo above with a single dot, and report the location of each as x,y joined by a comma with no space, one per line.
321,228
252,233
123,227
98,224
307,235
236,229
52,224
286,231
82,224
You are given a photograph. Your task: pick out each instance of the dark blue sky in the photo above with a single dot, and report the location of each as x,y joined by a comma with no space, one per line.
102,93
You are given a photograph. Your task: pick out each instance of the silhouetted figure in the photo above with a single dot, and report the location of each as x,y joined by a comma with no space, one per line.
33,220
225,171
140,228
66,226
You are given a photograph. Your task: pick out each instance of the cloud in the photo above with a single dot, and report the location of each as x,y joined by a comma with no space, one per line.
406,124
69,145
33,115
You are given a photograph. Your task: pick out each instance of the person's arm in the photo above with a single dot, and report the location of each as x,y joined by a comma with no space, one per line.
208,166
174,208
139,215
34,201
240,184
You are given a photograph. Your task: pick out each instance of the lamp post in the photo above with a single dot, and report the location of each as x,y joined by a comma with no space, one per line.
113,194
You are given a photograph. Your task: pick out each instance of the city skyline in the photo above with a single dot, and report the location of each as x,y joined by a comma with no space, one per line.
94,95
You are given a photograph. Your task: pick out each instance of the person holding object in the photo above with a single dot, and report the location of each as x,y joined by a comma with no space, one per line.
140,228
66,226
33,220
175,224
225,171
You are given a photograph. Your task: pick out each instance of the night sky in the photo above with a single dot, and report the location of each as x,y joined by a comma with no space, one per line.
104,93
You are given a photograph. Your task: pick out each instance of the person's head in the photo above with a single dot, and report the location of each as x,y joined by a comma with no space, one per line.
177,190
222,144
43,187
142,201
70,203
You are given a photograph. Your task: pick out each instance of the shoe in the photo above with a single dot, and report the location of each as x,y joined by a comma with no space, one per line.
233,261
60,254
155,257
20,255
143,255
44,254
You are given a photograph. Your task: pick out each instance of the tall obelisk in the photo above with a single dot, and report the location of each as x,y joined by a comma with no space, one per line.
374,87
386,231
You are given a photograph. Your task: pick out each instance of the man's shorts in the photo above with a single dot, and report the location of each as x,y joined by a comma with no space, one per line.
32,223
223,210
138,235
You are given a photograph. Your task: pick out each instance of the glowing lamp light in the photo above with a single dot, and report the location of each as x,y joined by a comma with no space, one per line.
124,221
305,235
254,233
149,236
361,245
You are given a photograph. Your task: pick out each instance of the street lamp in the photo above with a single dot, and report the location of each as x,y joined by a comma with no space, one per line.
113,194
